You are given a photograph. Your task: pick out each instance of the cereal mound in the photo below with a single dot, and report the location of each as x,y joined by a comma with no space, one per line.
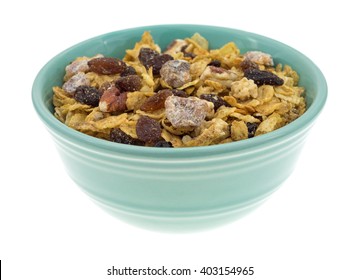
186,96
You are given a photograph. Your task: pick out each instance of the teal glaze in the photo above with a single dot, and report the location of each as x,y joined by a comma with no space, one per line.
185,188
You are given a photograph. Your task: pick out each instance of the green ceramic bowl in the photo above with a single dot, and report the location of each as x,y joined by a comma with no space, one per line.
186,188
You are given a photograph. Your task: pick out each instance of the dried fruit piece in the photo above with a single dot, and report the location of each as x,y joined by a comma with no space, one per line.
148,130
215,99
262,77
186,112
176,73
75,81
259,58
156,101
163,144
87,95
129,70
245,64
106,65
252,127
75,67
118,136
129,83
112,100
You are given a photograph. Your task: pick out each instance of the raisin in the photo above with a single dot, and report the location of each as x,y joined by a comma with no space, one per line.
156,101
215,63
176,73
129,70
163,144
252,127
158,62
106,65
118,136
87,95
246,64
148,130
261,77
146,57
215,99
129,83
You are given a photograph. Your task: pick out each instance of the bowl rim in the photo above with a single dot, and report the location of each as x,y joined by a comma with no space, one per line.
58,128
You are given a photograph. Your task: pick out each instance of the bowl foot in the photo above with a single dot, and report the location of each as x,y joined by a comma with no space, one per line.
180,223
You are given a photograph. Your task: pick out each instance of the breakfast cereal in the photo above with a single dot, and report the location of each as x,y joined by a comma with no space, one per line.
185,96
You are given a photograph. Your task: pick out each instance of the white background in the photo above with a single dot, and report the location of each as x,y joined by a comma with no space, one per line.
50,230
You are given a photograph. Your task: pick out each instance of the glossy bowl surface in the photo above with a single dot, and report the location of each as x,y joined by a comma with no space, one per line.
186,188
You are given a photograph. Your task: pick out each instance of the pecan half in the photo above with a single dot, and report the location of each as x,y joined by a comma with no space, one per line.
112,100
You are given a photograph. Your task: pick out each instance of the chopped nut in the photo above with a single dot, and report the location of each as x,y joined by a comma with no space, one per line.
113,101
